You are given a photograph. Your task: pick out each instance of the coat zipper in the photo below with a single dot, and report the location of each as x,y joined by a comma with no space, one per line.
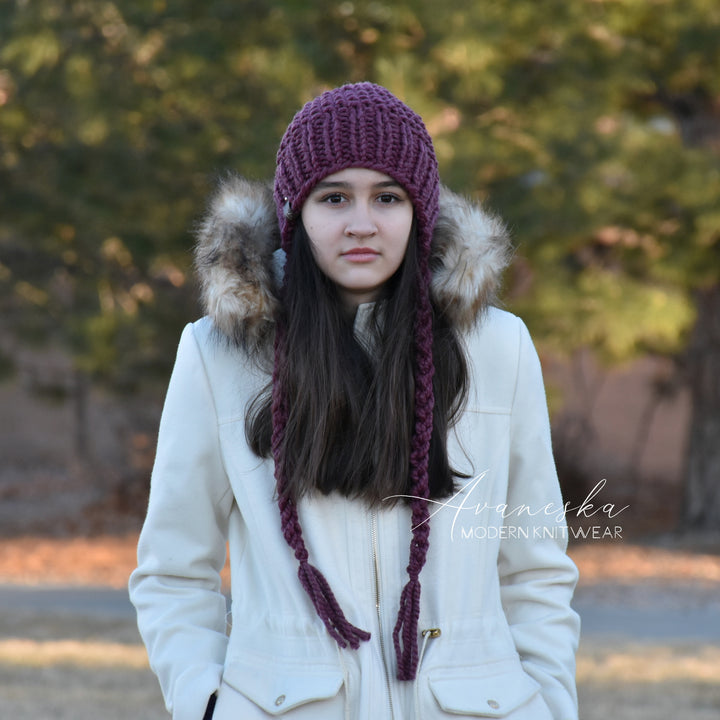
376,569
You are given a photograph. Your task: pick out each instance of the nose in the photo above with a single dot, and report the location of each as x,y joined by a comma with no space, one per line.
360,223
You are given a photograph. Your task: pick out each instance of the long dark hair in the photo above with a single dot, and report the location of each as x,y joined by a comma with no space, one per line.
350,403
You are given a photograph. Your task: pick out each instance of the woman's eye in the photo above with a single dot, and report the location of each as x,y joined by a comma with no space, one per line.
388,198
332,198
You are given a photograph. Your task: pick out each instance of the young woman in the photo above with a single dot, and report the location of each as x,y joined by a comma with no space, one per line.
369,435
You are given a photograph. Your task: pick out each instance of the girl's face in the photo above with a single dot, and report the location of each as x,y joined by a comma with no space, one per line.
358,222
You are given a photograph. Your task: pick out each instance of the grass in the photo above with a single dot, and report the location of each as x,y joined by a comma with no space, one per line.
649,682
21,652
650,664
79,678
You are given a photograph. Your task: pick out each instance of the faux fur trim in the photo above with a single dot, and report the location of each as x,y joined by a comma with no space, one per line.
239,234
234,261
470,250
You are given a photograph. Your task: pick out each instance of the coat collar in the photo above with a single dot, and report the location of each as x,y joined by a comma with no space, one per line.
240,265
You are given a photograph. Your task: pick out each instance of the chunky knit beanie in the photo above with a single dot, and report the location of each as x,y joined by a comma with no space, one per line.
363,125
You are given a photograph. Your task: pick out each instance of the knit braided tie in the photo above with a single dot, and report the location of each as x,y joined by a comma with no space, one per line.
405,634
312,580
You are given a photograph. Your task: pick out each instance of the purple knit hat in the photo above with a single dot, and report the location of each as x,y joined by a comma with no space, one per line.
364,125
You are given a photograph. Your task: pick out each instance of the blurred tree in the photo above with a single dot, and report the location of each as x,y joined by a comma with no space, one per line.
593,125
596,127
112,118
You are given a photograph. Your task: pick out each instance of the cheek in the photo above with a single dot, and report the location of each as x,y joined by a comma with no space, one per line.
402,235
315,224
318,239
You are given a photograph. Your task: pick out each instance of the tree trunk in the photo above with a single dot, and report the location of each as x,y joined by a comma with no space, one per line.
701,510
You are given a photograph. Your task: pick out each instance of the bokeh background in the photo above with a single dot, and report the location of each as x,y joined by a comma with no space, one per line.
592,127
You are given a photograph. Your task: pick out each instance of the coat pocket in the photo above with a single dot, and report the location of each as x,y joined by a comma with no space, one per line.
481,692
293,691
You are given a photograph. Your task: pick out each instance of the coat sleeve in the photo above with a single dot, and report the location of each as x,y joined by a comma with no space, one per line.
537,578
176,587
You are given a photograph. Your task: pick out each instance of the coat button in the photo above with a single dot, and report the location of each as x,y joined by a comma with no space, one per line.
494,704
279,700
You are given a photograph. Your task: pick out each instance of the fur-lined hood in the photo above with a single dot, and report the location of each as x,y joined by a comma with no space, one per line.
240,265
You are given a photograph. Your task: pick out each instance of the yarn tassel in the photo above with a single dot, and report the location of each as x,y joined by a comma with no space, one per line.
406,629
315,584
328,609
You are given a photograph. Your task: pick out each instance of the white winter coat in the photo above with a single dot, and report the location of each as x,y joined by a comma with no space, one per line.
498,634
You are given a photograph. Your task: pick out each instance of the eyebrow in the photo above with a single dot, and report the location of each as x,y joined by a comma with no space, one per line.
324,184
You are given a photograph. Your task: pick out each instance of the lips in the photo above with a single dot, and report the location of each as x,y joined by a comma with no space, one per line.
361,251
361,254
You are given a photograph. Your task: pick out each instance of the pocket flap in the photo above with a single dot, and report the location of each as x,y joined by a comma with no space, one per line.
281,688
483,695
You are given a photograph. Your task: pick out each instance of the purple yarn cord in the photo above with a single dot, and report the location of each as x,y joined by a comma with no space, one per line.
312,580
405,634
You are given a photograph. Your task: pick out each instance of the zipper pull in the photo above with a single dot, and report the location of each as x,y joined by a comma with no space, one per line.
427,634
432,632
